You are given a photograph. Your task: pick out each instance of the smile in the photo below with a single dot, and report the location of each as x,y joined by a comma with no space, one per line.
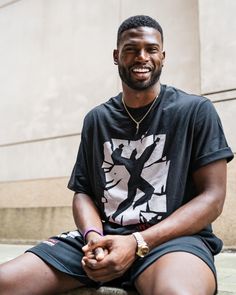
141,70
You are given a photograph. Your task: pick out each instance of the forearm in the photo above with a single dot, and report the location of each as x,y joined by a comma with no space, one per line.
195,215
86,214
187,220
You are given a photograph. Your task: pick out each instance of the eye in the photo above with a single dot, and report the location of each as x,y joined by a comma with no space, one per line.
153,49
130,49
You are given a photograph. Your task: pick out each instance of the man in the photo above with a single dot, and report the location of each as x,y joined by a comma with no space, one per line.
149,179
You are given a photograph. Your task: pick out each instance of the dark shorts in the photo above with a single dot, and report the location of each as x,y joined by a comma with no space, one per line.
64,253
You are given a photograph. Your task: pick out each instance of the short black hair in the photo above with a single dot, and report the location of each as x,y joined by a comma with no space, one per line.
138,21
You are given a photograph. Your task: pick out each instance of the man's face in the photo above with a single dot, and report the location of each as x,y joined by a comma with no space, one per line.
140,57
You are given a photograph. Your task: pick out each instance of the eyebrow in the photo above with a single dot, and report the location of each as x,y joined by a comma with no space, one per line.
147,45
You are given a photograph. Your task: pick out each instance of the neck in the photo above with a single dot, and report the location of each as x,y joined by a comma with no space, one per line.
139,98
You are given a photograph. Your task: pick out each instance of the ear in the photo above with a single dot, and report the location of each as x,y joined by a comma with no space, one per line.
163,57
115,56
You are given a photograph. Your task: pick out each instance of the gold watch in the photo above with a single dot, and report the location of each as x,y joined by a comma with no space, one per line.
142,246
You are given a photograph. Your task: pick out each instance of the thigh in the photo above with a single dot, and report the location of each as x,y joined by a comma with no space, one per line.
28,274
177,273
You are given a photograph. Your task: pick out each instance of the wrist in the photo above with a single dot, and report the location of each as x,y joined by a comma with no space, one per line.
92,236
92,231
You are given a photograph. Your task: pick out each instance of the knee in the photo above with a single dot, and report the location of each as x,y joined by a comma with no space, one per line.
6,281
179,291
3,275
174,292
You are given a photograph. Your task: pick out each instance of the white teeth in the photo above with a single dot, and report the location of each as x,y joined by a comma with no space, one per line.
141,70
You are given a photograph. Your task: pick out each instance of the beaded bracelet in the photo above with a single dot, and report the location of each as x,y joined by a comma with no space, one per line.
94,229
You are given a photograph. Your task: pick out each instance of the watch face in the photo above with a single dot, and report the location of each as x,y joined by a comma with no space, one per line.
143,250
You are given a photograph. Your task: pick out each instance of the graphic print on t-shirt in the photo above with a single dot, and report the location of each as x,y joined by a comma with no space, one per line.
135,174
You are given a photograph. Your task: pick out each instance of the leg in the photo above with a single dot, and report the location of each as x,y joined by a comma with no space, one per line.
177,273
29,275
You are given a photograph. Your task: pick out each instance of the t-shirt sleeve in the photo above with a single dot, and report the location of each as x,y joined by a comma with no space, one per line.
79,180
209,142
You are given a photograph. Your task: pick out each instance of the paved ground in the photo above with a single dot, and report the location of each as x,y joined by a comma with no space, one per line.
225,263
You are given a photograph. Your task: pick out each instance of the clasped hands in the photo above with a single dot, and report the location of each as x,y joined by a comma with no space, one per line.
106,258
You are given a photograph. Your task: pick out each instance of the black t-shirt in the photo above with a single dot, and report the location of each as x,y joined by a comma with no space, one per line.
143,178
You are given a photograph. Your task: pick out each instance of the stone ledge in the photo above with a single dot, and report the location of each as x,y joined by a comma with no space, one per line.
101,291
34,223
116,291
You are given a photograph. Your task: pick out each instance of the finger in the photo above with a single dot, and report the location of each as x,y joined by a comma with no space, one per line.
98,264
99,253
91,263
101,275
95,243
89,254
90,245
90,273
95,264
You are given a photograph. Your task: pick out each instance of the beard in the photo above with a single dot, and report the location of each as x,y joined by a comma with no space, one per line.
139,85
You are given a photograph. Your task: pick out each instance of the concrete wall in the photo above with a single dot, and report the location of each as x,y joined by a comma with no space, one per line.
56,64
217,30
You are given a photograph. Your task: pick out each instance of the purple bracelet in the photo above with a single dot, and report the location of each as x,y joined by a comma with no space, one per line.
88,230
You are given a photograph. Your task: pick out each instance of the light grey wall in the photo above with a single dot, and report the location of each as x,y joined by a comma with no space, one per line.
217,29
218,45
56,58
56,64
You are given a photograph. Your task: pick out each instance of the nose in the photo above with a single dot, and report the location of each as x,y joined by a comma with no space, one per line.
142,55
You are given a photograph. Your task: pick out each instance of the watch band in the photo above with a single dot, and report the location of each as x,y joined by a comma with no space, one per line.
139,238
142,246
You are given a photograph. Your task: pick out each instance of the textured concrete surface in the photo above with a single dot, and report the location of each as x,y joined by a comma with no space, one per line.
225,263
212,50
36,193
225,225
227,113
34,223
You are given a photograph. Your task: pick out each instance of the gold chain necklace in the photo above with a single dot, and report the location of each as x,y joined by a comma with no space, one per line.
145,115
